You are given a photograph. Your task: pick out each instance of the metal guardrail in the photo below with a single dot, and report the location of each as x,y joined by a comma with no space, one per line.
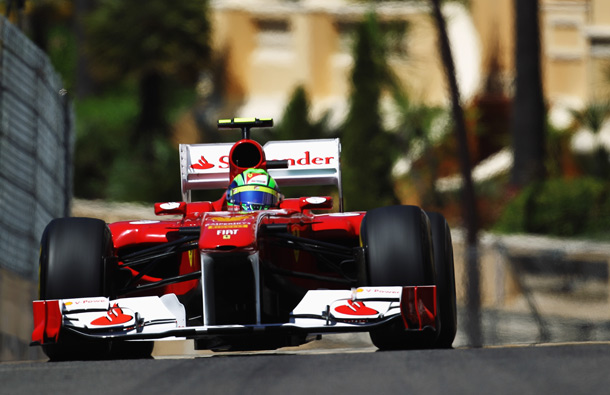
36,147
537,289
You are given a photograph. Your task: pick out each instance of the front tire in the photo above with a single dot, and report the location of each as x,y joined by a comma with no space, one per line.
75,263
398,245
445,279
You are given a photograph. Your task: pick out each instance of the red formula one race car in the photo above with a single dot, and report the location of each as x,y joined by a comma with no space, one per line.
252,270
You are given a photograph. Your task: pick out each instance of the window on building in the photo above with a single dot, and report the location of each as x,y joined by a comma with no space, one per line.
274,34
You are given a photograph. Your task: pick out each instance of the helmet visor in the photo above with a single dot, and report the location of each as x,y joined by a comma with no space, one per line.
254,196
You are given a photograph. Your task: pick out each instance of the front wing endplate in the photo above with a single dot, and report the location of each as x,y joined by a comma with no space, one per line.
156,318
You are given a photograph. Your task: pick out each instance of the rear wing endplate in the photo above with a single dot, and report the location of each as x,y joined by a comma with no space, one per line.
311,162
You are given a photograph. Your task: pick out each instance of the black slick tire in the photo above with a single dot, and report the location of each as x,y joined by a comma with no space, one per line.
72,265
445,279
75,263
398,249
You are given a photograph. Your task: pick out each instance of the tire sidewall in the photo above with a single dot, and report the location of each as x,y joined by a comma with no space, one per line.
445,279
73,258
72,264
398,252
397,242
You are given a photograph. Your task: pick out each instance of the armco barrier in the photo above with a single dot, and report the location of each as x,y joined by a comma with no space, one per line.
36,146
537,289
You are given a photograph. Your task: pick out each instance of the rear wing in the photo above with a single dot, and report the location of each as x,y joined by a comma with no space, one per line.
310,162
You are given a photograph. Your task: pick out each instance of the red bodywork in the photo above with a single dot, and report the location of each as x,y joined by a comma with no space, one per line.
229,232
234,272
249,249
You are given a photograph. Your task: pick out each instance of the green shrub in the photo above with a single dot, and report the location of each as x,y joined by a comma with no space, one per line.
103,126
560,208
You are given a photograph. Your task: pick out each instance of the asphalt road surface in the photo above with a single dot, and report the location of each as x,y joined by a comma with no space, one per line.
554,369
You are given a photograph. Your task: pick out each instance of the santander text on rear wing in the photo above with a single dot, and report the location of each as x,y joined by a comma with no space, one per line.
310,162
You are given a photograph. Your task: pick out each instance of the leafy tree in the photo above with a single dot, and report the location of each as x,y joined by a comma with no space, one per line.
296,121
367,148
101,122
155,43
145,58
296,124
44,16
50,28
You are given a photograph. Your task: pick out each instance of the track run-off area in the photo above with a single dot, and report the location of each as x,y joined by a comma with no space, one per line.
578,368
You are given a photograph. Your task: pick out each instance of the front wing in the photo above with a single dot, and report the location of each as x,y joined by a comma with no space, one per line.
156,318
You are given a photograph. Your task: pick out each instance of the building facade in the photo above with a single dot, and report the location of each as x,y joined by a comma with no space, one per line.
272,46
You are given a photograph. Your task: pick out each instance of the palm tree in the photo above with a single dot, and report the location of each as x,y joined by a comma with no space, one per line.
469,200
415,130
592,118
528,117
365,143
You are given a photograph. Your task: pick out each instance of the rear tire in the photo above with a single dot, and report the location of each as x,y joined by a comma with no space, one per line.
445,279
398,245
74,264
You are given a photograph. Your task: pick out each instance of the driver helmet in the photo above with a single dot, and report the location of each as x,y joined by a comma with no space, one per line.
254,189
